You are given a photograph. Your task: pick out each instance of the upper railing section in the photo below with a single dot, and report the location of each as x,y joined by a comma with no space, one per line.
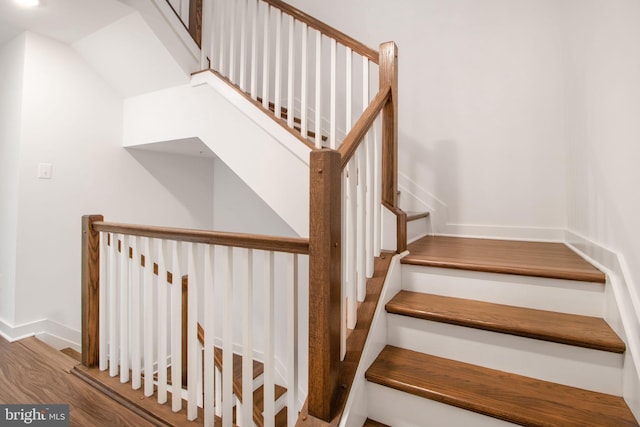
313,78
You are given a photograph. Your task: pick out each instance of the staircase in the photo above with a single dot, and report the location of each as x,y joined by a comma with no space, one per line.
488,333
483,332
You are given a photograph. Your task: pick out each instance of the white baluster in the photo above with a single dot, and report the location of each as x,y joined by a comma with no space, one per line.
254,50
213,29
162,311
232,42
247,335
351,244
348,89
176,329
113,306
303,80
123,280
290,75
318,119
184,11
243,45
292,340
332,113
209,342
104,284
277,96
218,392
193,368
222,23
149,302
365,83
369,182
265,58
360,225
136,336
269,365
344,187
227,342
377,189
205,41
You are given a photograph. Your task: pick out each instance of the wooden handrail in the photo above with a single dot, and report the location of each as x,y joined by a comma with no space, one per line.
327,30
352,141
294,245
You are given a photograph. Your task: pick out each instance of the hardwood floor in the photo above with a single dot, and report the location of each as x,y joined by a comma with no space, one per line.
541,259
31,372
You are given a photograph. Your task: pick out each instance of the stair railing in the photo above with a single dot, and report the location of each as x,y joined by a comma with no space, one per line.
310,75
190,13
349,188
132,318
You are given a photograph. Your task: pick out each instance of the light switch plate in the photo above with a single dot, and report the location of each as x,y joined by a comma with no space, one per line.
44,170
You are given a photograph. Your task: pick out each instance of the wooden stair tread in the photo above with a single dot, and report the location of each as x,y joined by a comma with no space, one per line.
413,216
372,423
582,331
540,259
502,395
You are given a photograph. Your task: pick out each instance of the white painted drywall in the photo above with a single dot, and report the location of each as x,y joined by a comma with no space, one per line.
278,175
129,55
237,208
481,92
73,119
603,105
11,68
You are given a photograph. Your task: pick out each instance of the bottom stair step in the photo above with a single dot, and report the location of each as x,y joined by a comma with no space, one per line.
498,394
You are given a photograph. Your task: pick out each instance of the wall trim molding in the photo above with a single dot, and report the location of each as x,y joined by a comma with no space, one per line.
53,333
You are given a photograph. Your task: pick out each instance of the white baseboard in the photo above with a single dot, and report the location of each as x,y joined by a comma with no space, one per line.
622,308
56,335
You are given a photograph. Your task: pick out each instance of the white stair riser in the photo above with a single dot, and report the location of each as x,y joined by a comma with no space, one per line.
417,229
564,296
399,409
560,363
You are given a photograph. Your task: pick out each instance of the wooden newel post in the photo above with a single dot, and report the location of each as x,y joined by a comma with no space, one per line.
90,291
389,77
325,267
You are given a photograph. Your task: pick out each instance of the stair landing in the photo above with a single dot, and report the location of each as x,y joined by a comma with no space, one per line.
540,259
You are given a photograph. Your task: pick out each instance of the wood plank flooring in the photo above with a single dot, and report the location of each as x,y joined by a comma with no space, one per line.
582,331
502,395
31,372
540,259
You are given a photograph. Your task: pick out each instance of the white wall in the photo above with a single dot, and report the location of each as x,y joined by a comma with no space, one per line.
11,68
603,140
238,208
481,105
278,174
73,119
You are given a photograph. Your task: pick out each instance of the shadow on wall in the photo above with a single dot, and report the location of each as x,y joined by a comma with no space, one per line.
439,160
188,180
